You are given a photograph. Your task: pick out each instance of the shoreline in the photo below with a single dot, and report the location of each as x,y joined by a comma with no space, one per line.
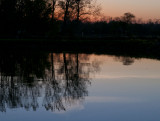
133,47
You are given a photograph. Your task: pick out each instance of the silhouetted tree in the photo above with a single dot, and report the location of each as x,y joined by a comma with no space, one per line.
53,8
68,18
128,18
85,9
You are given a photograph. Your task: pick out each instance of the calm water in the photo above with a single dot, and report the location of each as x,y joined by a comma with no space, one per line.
78,87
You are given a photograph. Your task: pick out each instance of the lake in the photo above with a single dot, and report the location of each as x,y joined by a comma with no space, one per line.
41,86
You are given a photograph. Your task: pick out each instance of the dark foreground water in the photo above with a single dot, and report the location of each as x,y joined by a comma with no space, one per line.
78,87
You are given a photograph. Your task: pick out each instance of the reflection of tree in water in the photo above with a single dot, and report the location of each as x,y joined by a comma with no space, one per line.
64,77
71,73
17,81
125,60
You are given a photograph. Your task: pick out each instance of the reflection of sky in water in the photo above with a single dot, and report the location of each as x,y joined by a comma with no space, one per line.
117,93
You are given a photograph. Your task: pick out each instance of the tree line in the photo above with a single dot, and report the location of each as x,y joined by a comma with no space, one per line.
42,17
67,18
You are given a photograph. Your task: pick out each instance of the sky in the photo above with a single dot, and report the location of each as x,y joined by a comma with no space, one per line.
145,9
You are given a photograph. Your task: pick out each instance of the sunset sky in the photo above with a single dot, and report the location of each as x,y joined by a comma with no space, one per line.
145,9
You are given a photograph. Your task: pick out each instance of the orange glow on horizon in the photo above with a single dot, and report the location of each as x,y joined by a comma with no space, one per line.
144,9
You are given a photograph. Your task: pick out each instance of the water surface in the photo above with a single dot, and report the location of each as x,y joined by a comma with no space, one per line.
78,87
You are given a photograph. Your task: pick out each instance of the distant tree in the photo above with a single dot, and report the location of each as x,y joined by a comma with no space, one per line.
128,18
